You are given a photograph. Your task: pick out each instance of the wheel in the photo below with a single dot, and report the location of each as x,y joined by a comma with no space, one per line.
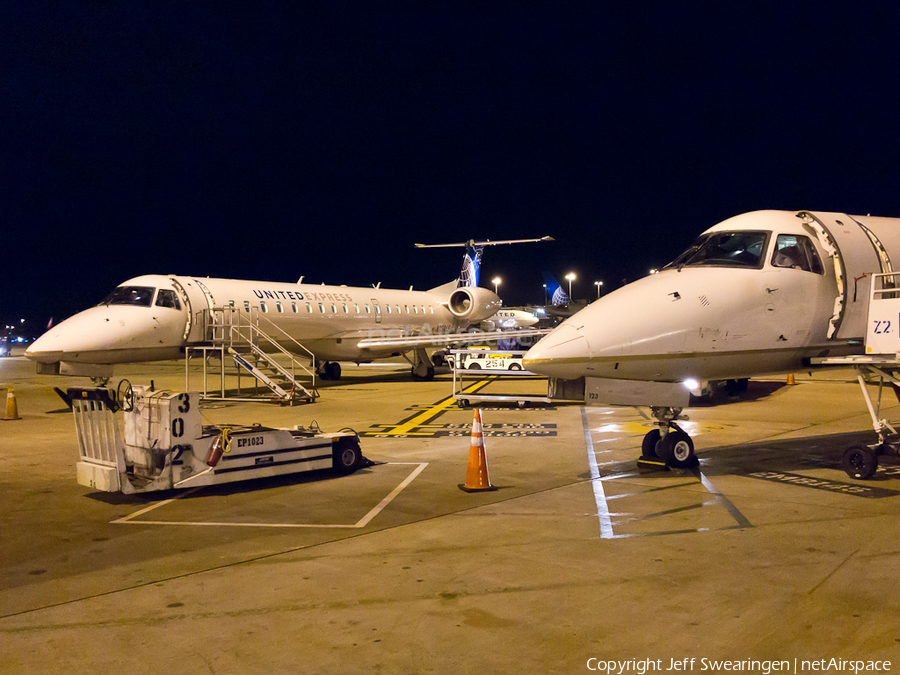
333,368
648,445
125,395
737,387
676,449
438,360
474,366
429,373
859,462
515,366
463,403
347,455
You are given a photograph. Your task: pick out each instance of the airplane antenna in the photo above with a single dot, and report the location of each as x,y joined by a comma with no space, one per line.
300,280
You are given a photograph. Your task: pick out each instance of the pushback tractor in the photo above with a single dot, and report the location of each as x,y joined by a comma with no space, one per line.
166,446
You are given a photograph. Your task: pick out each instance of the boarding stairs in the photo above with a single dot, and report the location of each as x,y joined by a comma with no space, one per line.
252,344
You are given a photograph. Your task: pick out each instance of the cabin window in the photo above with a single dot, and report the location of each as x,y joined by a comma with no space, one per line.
415,310
308,308
321,308
167,298
355,308
262,307
294,307
388,307
795,252
398,309
406,308
333,310
246,305
345,307
432,309
279,307
724,249
367,308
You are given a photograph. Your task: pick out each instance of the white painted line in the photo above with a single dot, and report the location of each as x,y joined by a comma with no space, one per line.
606,529
120,521
129,520
396,491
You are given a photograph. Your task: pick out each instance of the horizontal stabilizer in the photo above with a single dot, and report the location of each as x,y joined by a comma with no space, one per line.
486,242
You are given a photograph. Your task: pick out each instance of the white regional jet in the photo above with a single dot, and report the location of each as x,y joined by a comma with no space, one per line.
155,317
509,319
762,292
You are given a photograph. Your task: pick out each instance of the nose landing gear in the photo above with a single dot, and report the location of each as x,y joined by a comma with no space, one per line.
669,443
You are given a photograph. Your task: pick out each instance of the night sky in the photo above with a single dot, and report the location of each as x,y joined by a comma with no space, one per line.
269,141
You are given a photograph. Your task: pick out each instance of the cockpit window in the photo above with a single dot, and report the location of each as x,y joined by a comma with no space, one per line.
141,296
796,252
167,298
724,249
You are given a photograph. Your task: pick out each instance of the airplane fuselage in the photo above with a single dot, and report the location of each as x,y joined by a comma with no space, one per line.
153,317
762,292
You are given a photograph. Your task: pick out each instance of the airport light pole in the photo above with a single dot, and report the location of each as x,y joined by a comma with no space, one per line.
496,281
546,301
571,277
599,285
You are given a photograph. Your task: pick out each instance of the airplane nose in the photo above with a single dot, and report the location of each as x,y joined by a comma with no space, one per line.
563,353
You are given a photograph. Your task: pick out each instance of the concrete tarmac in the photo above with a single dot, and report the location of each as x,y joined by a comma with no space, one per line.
765,552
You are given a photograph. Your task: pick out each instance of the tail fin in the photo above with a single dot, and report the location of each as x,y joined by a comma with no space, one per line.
471,263
556,293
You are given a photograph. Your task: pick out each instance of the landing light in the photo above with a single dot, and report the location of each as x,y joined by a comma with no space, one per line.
691,384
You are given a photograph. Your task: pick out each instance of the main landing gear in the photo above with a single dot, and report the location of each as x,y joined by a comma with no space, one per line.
668,443
330,370
422,367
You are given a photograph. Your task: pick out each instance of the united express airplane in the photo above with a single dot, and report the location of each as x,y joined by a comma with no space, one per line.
155,317
762,292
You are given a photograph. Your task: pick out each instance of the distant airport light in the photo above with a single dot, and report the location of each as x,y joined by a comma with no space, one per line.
654,271
570,277
599,285
545,294
496,281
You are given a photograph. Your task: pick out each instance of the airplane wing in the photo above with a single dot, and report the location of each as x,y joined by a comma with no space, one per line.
432,340
486,242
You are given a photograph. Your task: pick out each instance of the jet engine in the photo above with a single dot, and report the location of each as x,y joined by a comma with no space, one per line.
472,303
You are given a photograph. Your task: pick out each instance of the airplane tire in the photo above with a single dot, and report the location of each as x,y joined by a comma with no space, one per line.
334,370
648,445
347,456
859,462
429,374
676,449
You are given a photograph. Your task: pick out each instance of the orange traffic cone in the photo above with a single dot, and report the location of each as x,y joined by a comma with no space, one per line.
790,379
477,472
12,410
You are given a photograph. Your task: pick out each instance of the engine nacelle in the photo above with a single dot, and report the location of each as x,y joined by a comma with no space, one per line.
473,303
